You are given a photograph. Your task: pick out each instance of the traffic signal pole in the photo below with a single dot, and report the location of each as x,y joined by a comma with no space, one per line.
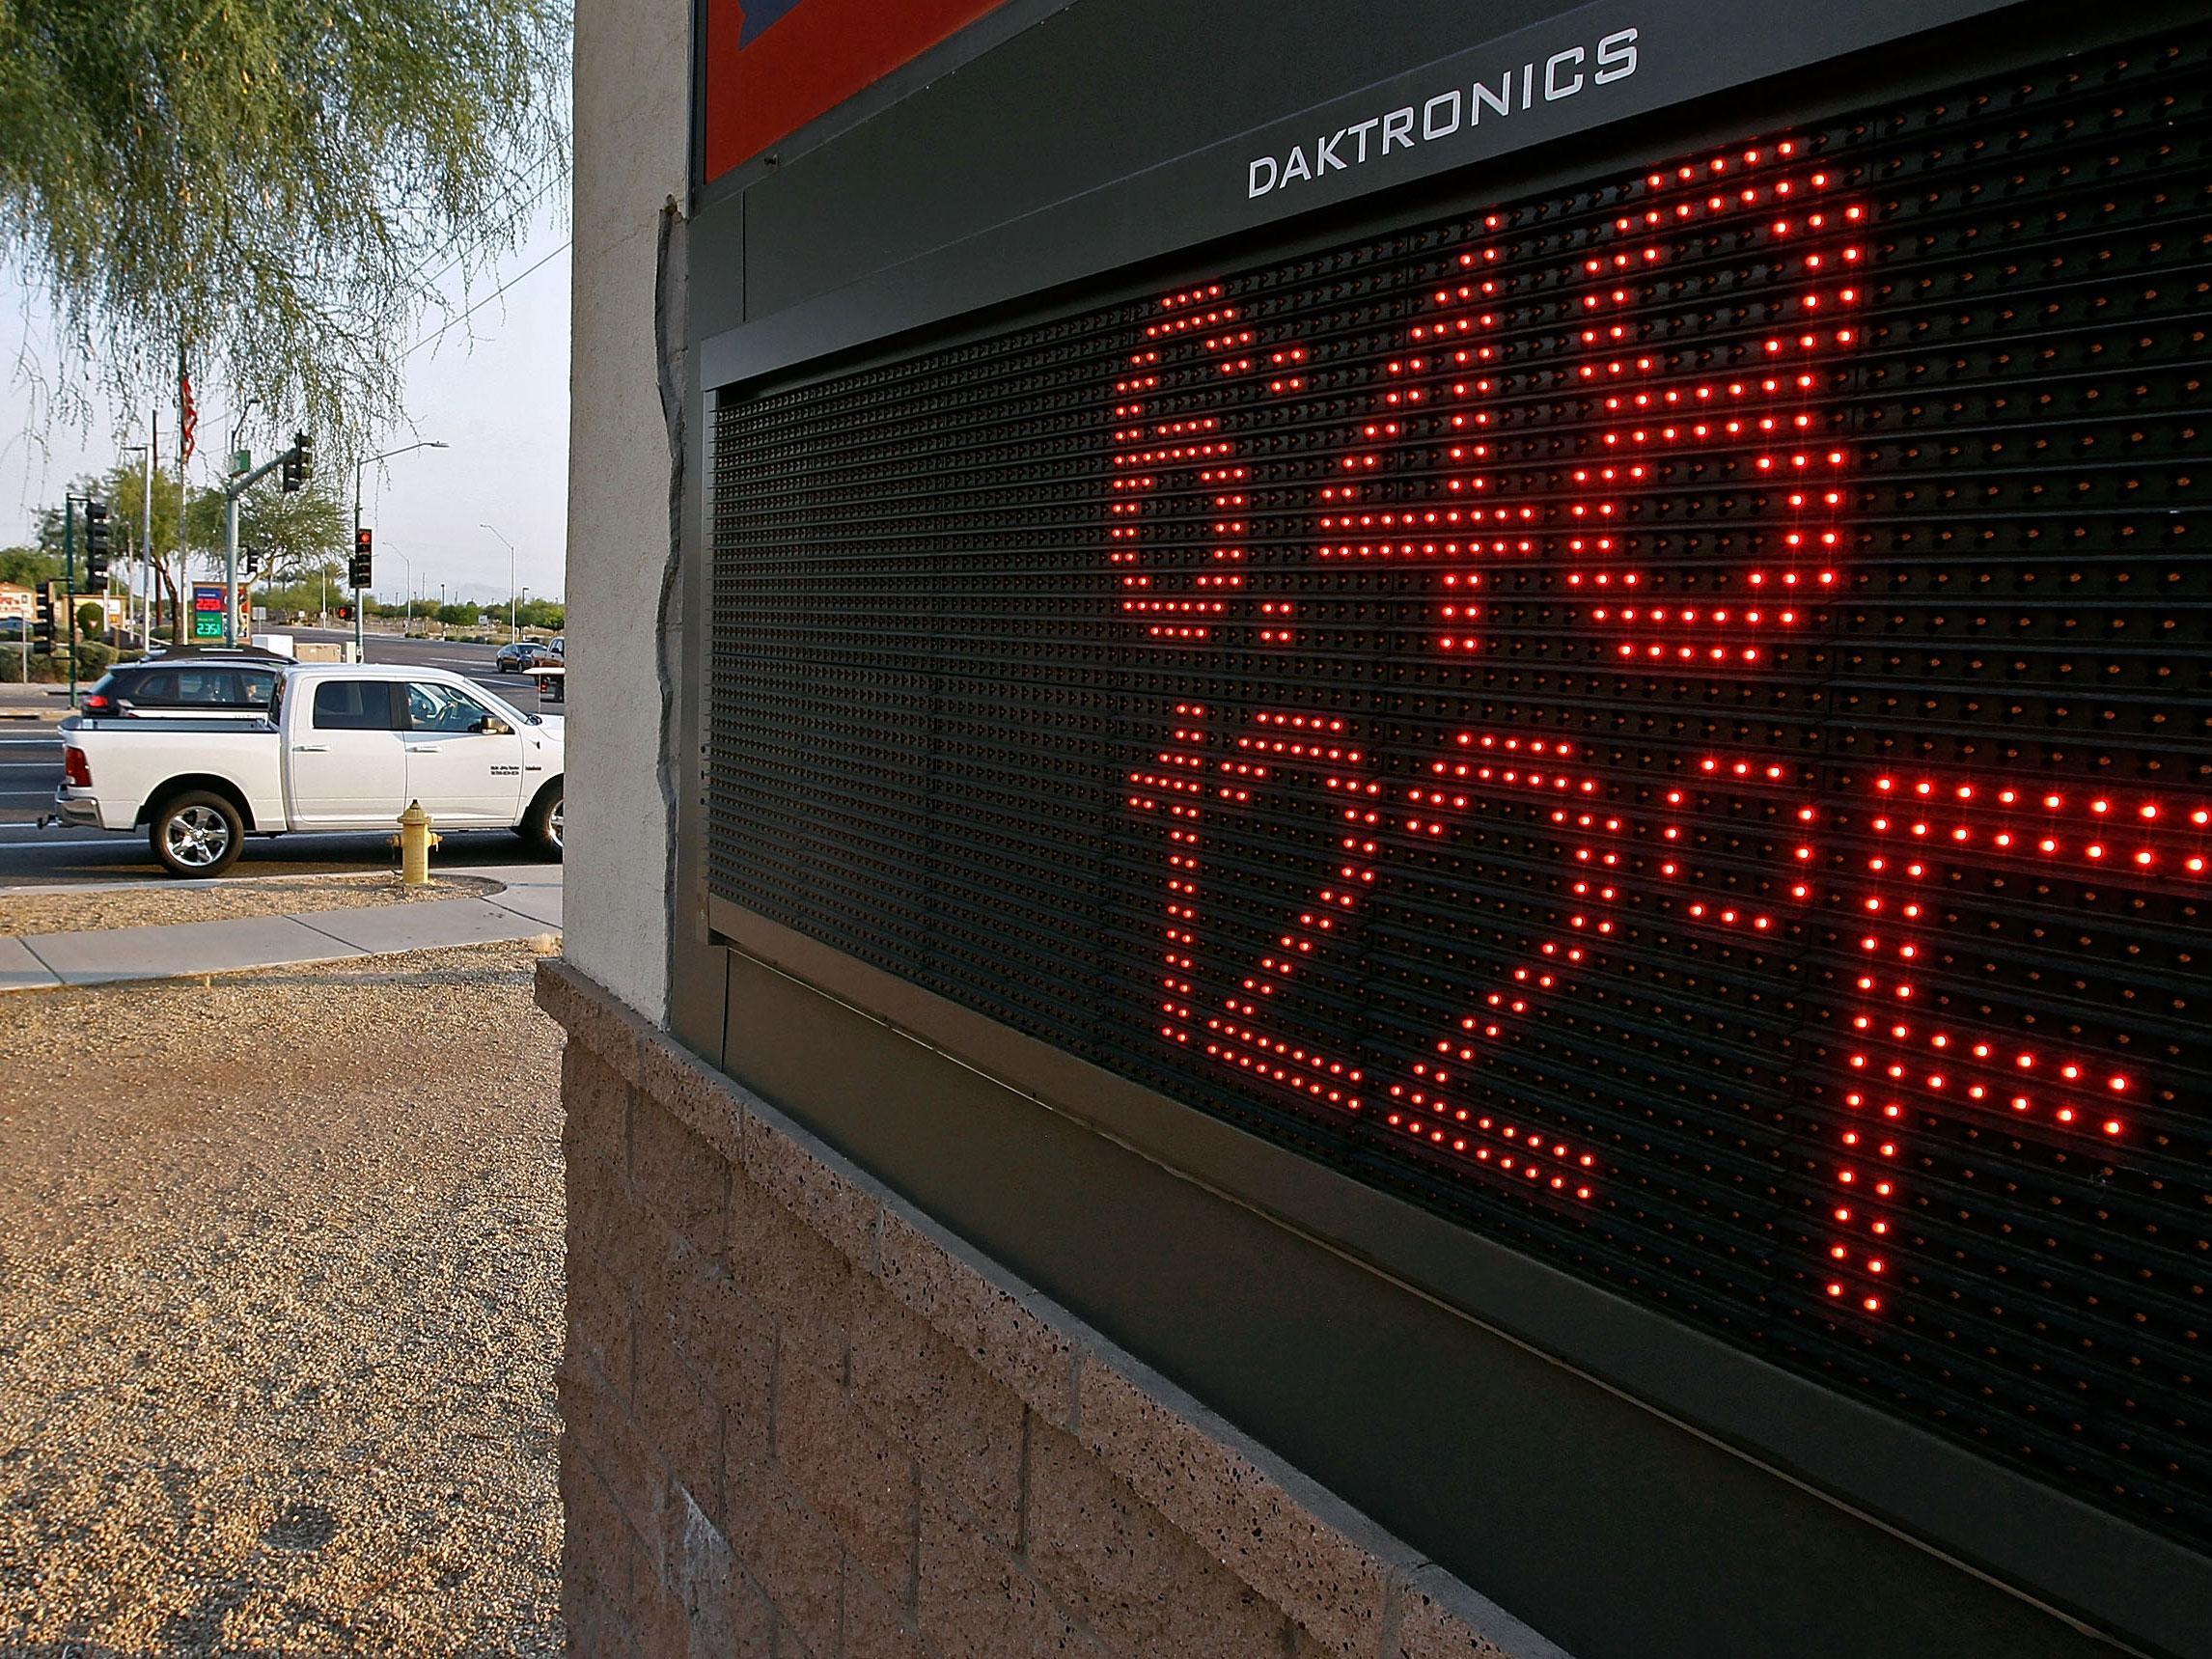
70,584
231,562
293,464
360,631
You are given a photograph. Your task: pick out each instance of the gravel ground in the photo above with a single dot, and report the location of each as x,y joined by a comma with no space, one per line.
88,908
280,1300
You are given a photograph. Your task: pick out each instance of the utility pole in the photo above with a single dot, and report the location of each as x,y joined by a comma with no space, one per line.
510,602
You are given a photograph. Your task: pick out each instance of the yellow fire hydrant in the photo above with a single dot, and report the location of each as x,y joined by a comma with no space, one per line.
414,843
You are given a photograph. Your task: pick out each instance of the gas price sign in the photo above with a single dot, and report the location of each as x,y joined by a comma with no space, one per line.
209,601
1667,720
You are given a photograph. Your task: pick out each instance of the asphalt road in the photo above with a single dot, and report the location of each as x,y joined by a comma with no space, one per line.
31,771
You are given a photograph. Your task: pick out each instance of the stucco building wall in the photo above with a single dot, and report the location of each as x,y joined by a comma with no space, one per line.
632,95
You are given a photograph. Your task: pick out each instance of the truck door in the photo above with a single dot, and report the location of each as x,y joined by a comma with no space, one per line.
464,761
346,764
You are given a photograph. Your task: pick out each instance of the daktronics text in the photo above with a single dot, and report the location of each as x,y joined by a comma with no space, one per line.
1563,74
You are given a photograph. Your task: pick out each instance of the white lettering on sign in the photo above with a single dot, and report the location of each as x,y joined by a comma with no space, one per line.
1560,75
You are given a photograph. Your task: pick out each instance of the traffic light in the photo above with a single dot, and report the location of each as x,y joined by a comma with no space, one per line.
249,560
298,462
344,612
42,629
99,547
357,571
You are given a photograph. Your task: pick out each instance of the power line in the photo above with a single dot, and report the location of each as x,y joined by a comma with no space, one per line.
552,182
537,196
454,321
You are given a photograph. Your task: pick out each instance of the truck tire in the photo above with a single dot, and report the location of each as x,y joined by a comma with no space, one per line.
197,834
540,826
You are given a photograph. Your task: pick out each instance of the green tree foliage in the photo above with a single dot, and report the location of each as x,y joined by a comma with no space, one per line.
91,620
123,489
310,588
278,186
543,614
28,567
294,533
460,616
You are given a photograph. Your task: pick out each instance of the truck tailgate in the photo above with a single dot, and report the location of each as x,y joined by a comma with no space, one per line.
130,760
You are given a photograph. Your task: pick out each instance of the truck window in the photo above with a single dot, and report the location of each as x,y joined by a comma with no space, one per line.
434,707
354,705
209,687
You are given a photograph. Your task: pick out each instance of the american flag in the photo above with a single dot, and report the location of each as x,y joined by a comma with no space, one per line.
187,411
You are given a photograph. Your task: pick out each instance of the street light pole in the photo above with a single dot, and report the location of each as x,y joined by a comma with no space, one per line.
140,564
360,643
511,600
407,627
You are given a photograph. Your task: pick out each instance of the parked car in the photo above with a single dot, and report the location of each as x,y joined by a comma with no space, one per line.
341,747
188,684
523,655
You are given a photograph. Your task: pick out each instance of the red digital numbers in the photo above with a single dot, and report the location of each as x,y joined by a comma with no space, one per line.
1458,379
1907,1062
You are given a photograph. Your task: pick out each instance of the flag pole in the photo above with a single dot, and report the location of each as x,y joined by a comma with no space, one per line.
186,432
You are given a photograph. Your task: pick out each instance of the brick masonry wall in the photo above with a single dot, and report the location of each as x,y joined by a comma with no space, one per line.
802,1420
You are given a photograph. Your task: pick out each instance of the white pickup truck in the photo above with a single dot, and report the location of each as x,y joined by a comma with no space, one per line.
345,747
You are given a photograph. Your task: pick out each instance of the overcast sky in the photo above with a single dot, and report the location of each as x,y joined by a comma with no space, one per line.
495,388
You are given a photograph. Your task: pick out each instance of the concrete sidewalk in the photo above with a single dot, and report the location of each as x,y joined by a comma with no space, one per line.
528,905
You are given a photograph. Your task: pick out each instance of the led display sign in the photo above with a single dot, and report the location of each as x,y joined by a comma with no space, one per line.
1667,720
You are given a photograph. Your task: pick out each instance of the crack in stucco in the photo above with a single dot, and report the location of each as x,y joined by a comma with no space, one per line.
669,300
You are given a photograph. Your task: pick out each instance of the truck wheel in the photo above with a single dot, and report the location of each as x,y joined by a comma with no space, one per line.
540,826
197,834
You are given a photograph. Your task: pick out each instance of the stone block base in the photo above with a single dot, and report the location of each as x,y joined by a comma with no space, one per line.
803,1420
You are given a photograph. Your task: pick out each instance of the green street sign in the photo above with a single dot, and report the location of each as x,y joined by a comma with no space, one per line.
241,461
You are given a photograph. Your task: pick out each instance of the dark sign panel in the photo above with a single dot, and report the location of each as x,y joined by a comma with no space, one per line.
769,67
1667,721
